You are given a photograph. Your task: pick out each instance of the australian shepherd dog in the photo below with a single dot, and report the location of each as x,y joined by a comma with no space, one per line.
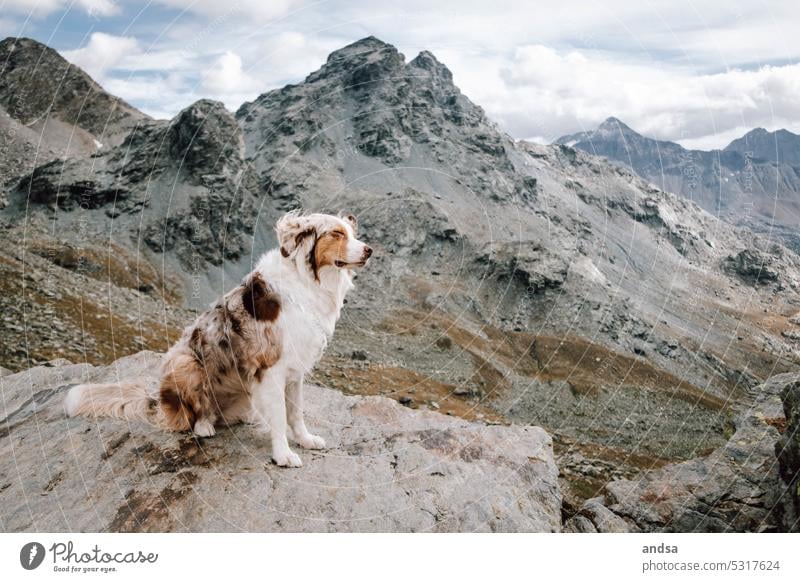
244,359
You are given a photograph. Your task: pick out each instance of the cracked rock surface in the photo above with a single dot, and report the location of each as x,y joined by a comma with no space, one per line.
387,468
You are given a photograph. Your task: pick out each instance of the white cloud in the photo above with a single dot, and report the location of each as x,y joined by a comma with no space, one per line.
98,7
259,10
158,60
159,95
152,88
227,81
102,53
290,55
226,75
41,8
540,91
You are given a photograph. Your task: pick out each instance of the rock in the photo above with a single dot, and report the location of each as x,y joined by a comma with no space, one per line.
791,334
466,391
205,139
198,157
388,468
752,266
359,355
595,517
787,450
737,488
444,343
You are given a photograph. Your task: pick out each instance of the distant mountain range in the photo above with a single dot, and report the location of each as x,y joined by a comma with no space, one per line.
753,182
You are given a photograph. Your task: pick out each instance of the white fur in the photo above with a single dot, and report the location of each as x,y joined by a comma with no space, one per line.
204,428
309,311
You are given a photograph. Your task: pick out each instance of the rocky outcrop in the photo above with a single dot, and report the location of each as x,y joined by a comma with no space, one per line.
752,266
205,139
594,517
388,468
787,450
740,487
198,157
50,109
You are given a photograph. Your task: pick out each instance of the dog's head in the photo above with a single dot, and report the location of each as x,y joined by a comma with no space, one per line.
322,240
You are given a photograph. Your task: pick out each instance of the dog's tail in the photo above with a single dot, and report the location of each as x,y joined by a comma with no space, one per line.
129,400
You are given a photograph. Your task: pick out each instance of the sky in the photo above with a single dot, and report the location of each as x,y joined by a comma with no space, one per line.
697,72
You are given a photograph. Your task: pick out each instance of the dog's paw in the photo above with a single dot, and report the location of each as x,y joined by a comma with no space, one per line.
311,441
287,459
204,428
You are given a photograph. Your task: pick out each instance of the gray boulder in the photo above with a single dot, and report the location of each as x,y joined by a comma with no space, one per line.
594,517
388,468
788,451
737,488
752,266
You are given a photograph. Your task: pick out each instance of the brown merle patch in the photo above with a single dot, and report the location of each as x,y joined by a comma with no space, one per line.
260,300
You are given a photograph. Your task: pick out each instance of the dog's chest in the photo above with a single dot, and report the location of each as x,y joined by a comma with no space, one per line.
306,332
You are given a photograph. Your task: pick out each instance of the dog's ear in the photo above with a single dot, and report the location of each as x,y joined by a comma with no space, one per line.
351,219
292,229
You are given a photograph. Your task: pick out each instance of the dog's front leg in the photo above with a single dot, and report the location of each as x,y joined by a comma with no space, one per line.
294,408
270,404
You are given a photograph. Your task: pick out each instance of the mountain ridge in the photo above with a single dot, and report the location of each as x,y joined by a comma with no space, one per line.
753,182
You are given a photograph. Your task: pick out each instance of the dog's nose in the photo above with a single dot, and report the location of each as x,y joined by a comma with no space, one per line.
367,252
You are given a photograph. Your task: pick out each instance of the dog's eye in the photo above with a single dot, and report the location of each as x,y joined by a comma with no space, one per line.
337,234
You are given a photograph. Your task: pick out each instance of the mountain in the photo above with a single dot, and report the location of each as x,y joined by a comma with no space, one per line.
511,282
51,109
753,182
780,146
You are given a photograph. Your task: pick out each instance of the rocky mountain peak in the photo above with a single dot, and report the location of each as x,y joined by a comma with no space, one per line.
364,46
761,144
613,126
205,135
360,63
391,107
16,52
427,61
740,144
37,83
611,131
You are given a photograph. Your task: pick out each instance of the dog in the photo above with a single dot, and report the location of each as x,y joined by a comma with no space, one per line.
245,358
